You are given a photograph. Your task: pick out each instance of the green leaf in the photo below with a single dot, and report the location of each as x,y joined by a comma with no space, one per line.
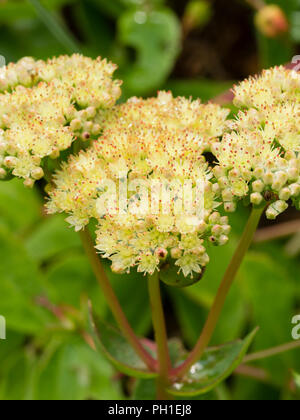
155,36
216,365
57,28
72,278
144,390
169,275
202,88
14,10
96,29
71,370
20,284
13,197
51,238
17,376
116,348
269,292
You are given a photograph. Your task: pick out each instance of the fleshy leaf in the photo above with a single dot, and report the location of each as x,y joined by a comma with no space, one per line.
216,365
155,36
116,348
170,275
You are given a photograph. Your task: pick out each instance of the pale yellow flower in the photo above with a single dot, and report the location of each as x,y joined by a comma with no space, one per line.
46,106
260,154
205,122
142,233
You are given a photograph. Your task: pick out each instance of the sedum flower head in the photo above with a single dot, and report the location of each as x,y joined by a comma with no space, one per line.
276,86
260,156
48,105
207,121
121,181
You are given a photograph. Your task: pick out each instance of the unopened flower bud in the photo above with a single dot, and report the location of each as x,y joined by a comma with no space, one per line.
91,112
269,178
223,240
200,250
295,189
258,173
293,174
10,162
55,154
204,259
280,180
117,269
275,209
161,253
285,194
2,173
86,136
230,207
223,182
197,13
88,126
213,240
176,253
96,129
233,174
28,183
37,173
202,226
290,155
76,125
218,171
217,230
271,21
256,198
214,218
226,229
247,175
48,188
258,186
224,220
227,195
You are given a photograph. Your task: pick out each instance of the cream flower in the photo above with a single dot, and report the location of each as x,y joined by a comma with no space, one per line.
47,106
205,122
249,163
260,156
138,199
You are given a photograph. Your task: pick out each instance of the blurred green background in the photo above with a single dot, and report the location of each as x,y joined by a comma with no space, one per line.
197,50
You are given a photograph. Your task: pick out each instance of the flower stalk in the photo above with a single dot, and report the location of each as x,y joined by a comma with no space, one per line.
164,361
113,302
222,294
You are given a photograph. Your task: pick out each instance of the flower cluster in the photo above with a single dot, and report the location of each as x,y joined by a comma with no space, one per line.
135,180
205,121
144,177
259,157
46,106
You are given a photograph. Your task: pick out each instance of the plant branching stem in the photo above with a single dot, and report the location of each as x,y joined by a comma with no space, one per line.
272,352
159,325
113,301
222,294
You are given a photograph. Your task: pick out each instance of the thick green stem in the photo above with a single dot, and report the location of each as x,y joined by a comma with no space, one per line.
222,294
159,325
113,302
